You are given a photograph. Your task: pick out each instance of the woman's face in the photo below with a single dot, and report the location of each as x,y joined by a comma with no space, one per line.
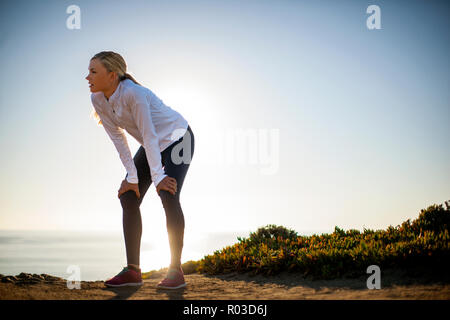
99,78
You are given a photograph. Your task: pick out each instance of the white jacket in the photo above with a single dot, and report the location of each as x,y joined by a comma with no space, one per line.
146,118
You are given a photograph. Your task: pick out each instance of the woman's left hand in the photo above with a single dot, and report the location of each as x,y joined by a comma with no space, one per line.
168,184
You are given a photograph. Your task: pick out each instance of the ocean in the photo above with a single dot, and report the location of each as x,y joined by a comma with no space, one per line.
95,255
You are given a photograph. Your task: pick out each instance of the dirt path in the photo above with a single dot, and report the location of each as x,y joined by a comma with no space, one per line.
240,286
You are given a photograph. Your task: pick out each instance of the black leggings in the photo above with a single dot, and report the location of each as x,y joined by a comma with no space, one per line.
132,223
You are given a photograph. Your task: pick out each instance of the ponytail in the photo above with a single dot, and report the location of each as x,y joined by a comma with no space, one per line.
128,76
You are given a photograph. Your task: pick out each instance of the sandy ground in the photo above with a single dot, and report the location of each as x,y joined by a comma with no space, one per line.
285,286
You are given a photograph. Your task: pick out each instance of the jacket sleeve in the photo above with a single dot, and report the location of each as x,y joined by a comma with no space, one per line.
140,109
120,142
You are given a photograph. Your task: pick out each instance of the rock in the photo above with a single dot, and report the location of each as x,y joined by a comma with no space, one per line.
27,281
28,278
38,277
48,277
8,279
24,276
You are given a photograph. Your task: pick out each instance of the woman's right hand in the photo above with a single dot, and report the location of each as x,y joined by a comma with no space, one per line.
125,186
168,184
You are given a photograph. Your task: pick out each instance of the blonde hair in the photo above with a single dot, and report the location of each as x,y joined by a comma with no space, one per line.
113,62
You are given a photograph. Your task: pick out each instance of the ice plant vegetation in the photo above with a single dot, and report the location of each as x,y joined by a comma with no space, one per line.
272,249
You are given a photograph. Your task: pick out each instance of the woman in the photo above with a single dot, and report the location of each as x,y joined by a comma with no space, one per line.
166,139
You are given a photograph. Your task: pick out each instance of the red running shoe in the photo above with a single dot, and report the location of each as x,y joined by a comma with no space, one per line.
173,280
126,277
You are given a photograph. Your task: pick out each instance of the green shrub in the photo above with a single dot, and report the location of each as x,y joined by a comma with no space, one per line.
434,218
272,249
270,232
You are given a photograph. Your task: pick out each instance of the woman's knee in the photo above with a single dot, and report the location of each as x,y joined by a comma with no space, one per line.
129,201
171,203
169,198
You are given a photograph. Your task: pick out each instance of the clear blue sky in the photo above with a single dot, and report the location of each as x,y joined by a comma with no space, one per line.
363,115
